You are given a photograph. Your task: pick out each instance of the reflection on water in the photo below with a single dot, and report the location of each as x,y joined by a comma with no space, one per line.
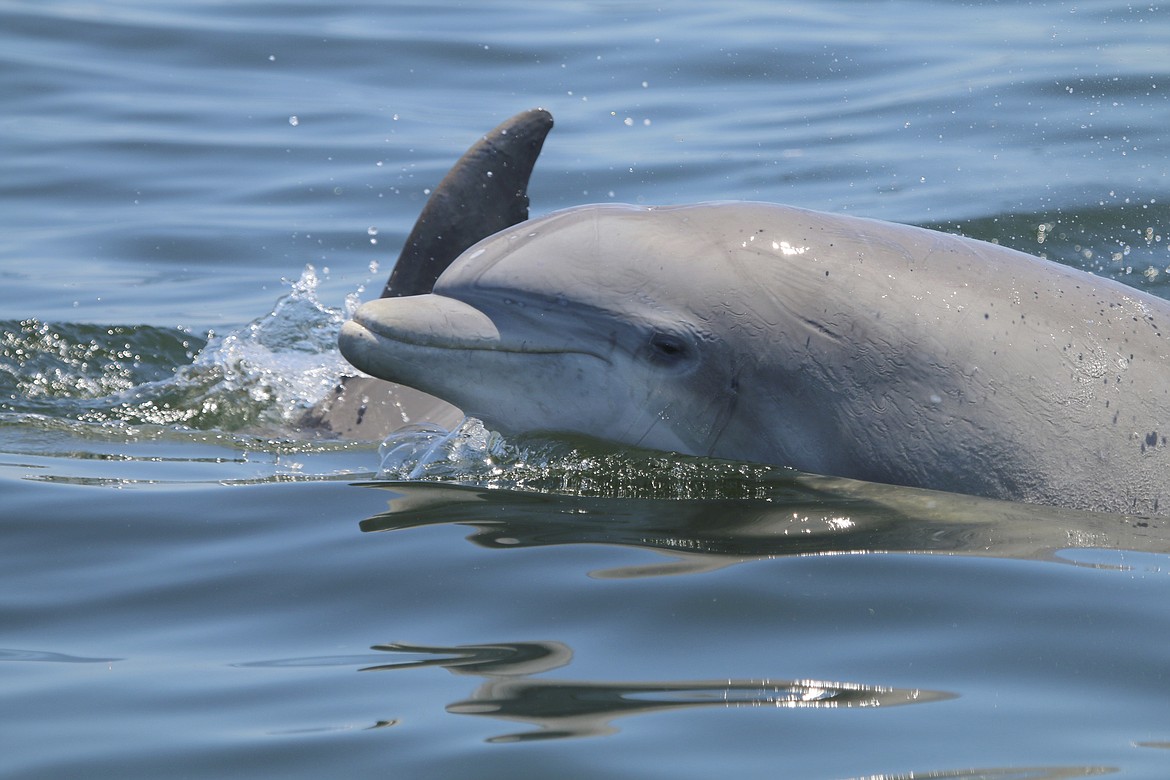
45,656
510,659
562,708
574,708
795,515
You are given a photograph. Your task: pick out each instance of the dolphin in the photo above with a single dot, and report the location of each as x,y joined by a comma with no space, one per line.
831,344
483,193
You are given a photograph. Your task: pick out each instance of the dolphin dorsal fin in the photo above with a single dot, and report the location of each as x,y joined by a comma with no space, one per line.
483,193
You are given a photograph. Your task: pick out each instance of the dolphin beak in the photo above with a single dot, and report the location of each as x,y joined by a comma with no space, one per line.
387,332
429,321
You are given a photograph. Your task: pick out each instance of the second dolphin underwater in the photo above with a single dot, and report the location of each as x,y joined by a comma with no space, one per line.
834,345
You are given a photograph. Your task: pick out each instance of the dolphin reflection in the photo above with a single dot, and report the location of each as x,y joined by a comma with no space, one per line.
575,708
785,513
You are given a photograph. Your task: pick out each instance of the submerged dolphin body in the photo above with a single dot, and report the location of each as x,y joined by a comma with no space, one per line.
832,344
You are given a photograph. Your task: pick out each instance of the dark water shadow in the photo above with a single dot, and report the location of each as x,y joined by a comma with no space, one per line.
561,708
47,656
786,515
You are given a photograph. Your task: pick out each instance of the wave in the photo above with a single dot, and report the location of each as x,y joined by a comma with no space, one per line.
260,378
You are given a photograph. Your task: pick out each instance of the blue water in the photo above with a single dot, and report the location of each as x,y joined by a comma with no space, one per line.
191,195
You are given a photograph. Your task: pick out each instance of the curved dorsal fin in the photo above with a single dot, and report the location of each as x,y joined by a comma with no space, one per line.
483,193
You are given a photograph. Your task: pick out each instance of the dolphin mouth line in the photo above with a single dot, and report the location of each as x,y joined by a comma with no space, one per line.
427,341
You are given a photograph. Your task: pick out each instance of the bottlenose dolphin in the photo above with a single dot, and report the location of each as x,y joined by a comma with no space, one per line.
483,193
831,344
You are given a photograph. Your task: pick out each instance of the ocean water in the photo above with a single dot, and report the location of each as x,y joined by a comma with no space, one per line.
194,193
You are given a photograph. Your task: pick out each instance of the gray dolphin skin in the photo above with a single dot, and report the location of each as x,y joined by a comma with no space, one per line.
832,344
484,192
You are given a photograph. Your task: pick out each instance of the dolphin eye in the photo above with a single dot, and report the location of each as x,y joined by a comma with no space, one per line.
667,349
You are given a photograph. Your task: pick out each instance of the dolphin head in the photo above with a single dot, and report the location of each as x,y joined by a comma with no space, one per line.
605,321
